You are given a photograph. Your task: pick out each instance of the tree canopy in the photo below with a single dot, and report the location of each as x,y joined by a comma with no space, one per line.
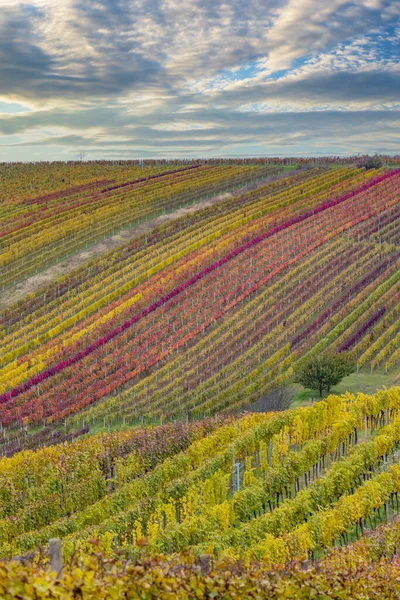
372,162
322,372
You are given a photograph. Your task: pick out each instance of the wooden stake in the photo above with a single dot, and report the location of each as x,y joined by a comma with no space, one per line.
55,556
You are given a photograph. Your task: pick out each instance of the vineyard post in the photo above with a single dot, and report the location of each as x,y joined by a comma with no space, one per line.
270,453
387,512
55,556
236,472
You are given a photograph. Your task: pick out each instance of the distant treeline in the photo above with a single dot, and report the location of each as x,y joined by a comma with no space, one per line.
272,160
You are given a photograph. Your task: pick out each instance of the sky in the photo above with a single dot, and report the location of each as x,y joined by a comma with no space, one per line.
196,78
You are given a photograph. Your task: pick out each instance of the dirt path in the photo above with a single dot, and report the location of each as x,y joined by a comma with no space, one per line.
35,282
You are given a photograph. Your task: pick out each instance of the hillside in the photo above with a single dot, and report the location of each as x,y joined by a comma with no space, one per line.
152,315
202,314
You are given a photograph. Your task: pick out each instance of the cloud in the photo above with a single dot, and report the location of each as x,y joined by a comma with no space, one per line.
331,88
267,133
22,62
305,26
153,76
87,62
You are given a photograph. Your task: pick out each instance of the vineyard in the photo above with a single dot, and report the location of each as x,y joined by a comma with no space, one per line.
204,313
214,501
130,368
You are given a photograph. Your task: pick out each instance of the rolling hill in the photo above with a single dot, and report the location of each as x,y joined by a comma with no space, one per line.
147,311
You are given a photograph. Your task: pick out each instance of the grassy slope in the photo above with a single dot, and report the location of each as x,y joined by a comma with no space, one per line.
364,382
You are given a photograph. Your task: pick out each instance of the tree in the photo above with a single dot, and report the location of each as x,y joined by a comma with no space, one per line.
322,372
372,162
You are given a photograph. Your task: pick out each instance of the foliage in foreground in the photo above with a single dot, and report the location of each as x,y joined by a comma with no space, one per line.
274,487
368,568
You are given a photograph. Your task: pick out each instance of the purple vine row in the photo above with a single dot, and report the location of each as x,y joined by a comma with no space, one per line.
351,292
347,344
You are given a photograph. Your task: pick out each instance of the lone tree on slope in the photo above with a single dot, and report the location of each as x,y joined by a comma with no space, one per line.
322,372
